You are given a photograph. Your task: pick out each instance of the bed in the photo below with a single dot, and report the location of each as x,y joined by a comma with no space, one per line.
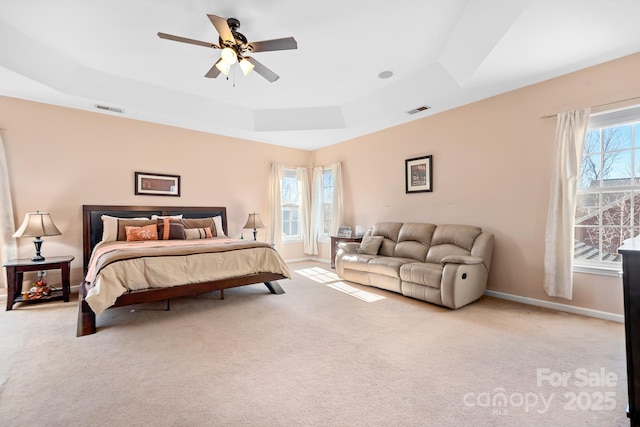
210,260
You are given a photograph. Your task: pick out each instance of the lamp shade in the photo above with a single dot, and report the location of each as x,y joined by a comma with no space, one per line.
229,56
223,67
246,66
254,221
37,224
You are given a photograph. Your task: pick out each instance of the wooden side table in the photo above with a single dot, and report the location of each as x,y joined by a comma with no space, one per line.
335,241
17,267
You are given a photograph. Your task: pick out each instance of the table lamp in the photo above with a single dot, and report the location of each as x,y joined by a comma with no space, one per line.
37,224
254,222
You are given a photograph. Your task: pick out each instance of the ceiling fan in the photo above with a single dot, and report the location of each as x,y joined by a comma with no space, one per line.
235,48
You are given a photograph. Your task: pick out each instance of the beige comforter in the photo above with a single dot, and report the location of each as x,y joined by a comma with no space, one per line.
117,267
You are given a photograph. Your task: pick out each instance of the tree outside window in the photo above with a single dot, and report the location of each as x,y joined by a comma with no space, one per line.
608,195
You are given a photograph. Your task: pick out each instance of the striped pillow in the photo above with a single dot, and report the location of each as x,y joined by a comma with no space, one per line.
198,233
170,229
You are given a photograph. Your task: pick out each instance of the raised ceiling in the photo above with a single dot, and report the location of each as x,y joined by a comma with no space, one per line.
442,54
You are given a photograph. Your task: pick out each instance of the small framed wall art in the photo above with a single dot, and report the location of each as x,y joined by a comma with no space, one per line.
156,184
419,174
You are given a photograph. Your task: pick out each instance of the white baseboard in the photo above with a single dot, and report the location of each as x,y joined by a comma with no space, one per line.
558,306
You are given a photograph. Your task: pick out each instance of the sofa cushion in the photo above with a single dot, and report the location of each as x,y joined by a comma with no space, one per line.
387,266
426,274
452,240
390,231
459,235
370,245
359,262
414,240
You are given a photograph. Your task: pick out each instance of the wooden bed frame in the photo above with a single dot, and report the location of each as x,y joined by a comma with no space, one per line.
92,234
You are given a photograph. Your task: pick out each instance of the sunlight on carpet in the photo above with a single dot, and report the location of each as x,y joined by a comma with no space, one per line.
331,279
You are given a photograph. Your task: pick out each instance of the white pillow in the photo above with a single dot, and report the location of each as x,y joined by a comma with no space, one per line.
110,227
217,221
170,216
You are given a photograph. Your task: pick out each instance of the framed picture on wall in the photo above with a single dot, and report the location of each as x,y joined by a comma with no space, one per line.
156,184
419,174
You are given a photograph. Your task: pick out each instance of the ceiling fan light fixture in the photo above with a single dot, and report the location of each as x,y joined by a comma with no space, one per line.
246,66
224,67
228,55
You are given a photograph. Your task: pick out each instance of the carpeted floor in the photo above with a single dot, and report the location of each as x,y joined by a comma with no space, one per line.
322,354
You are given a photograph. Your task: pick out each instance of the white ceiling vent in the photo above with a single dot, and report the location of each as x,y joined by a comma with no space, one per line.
107,108
419,109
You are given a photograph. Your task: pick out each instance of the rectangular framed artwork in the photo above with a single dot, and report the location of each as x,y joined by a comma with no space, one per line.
344,231
156,184
419,174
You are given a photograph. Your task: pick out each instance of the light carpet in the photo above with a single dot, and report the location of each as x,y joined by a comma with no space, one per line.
325,353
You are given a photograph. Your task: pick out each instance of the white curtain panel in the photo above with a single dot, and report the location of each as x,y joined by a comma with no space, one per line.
274,233
305,207
336,218
8,247
571,129
316,220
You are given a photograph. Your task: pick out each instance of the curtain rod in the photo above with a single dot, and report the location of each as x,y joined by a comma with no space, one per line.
597,106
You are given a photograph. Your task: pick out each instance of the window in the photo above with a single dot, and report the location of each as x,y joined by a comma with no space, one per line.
608,193
327,202
290,199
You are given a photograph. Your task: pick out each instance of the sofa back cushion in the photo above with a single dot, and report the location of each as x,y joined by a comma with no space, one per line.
452,240
414,240
390,231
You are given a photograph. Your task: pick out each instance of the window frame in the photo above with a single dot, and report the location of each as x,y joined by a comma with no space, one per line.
601,122
327,236
287,172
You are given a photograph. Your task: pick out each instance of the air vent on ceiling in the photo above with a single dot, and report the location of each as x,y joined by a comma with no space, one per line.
107,108
419,109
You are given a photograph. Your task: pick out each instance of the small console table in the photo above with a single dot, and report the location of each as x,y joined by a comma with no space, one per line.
335,241
17,267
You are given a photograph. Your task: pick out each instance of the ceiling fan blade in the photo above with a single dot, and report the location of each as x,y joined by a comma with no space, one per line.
213,72
223,29
275,44
186,40
262,70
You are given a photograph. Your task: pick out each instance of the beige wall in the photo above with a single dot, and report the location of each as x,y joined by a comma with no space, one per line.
492,164
61,158
492,167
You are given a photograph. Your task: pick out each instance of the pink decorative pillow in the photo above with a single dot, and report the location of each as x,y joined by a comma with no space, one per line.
146,232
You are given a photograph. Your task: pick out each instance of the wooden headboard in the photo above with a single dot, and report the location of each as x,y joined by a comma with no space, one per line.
92,222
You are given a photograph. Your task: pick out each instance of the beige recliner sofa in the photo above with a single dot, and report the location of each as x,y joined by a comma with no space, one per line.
446,265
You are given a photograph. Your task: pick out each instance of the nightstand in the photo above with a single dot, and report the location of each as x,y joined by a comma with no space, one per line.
335,241
17,267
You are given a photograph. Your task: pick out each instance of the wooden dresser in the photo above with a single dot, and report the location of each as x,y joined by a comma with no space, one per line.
631,286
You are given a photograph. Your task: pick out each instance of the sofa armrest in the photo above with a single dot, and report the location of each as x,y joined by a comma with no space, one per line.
463,283
461,259
349,247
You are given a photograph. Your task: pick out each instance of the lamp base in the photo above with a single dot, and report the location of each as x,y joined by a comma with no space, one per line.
255,234
38,243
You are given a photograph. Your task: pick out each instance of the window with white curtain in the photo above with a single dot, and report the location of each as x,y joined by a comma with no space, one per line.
290,202
327,201
608,190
